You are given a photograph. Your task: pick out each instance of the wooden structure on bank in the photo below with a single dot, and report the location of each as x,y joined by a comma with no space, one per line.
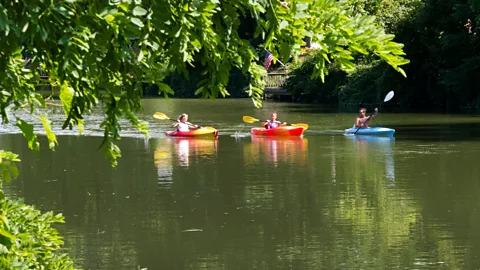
274,85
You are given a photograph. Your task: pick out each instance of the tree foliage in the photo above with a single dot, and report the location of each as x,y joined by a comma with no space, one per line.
441,38
27,239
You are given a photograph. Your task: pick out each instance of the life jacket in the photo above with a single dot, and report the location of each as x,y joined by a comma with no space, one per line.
273,124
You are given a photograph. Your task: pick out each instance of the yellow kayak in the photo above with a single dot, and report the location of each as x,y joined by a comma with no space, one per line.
200,132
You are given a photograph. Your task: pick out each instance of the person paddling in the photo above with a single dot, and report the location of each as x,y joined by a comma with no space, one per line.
182,124
362,119
273,123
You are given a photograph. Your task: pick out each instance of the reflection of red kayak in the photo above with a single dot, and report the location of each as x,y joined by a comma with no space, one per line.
201,132
280,149
279,131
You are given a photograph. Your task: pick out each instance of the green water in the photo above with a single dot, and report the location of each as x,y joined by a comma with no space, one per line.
324,201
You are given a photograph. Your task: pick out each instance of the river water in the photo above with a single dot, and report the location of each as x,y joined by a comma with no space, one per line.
324,201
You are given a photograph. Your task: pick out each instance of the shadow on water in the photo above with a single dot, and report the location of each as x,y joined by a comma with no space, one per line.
439,132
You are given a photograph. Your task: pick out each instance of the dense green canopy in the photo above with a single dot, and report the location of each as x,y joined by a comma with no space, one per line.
441,39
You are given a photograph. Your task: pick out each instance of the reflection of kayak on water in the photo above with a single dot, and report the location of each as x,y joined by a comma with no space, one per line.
377,143
162,157
383,145
182,148
204,132
276,149
294,140
278,131
371,139
188,147
378,131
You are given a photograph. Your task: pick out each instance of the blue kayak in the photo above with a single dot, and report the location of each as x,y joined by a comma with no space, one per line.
379,131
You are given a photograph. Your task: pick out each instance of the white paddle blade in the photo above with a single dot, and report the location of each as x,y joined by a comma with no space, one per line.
389,96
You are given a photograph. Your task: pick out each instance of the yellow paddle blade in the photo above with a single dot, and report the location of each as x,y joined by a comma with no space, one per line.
305,126
161,116
249,119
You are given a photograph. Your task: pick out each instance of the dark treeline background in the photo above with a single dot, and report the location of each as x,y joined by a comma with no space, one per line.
441,39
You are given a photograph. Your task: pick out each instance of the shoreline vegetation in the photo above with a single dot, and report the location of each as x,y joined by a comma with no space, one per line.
441,41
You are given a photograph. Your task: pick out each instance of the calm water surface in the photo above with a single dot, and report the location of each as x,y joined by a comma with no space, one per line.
324,201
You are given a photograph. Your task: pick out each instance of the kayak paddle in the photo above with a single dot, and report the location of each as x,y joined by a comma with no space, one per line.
388,97
162,116
249,119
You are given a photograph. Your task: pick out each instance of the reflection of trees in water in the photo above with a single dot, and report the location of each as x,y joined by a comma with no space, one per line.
279,159
359,221
377,147
294,216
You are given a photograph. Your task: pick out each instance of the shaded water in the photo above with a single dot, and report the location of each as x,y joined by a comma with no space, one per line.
324,201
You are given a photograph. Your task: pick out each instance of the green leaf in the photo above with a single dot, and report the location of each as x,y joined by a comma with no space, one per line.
64,40
139,11
66,96
80,126
29,134
39,100
137,22
14,171
358,49
401,71
283,24
199,90
124,6
325,56
109,18
25,27
52,139
6,234
165,88
140,56
302,6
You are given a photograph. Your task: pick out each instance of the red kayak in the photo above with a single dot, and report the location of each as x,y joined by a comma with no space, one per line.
279,131
204,132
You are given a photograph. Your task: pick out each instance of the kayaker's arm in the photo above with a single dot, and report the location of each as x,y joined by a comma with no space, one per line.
192,125
175,124
365,123
373,115
266,124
